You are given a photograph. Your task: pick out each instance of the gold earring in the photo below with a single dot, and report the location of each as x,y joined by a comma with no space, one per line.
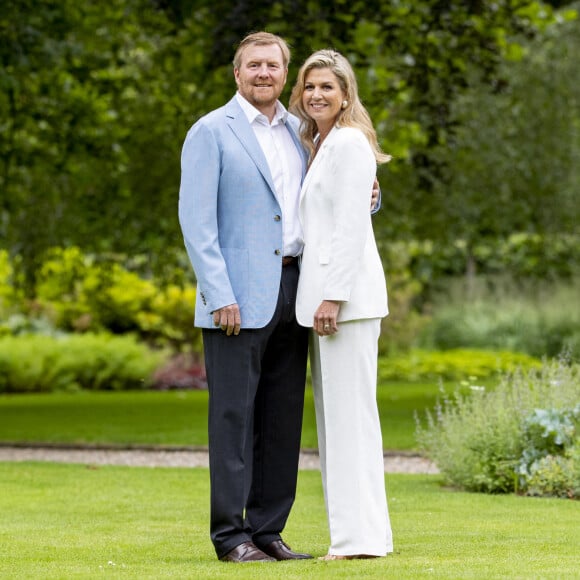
344,104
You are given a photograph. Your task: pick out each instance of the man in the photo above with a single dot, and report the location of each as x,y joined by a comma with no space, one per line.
242,166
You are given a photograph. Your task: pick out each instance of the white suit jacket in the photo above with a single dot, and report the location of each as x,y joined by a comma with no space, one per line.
340,259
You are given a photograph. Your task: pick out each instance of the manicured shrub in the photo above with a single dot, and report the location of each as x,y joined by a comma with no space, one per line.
456,364
522,436
36,363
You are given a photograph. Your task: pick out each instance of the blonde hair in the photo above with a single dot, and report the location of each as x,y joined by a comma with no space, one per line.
261,39
353,115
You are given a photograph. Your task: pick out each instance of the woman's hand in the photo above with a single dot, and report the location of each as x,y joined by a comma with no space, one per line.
375,194
325,318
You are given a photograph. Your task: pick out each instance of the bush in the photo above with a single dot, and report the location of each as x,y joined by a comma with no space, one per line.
77,292
183,371
544,323
169,320
556,476
9,296
548,461
81,294
520,254
400,328
37,363
19,324
458,364
523,436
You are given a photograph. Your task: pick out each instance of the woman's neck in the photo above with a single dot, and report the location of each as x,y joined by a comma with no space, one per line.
323,131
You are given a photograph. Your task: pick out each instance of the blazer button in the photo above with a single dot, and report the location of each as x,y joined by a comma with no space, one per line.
277,218
277,252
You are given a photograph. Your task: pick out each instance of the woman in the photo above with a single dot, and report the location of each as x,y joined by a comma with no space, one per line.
342,295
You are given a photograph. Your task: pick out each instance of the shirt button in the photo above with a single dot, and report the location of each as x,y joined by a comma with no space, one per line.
277,252
277,218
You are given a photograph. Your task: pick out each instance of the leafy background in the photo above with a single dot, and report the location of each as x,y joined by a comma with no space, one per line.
478,102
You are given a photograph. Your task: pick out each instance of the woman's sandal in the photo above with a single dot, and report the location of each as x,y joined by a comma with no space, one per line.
330,557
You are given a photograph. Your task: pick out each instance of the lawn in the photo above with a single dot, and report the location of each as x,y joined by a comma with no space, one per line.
176,417
67,521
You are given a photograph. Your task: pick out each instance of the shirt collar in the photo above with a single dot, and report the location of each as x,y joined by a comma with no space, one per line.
254,115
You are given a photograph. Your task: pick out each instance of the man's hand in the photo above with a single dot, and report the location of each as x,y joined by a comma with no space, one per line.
228,318
375,194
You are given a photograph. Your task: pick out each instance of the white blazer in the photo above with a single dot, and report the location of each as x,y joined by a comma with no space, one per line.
340,259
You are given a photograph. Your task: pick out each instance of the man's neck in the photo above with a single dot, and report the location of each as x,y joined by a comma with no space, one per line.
268,110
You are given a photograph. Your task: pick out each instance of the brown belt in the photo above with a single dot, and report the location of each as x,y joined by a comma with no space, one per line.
287,260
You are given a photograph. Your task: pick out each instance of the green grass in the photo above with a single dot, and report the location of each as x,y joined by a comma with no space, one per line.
175,417
76,521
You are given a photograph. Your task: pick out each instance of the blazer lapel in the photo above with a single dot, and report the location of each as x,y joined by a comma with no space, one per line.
315,163
238,123
300,147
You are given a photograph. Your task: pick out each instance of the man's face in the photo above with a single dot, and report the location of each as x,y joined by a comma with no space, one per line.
262,75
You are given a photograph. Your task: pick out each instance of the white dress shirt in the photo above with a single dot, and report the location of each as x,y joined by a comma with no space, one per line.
285,167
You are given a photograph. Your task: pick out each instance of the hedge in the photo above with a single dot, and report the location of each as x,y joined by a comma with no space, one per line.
37,363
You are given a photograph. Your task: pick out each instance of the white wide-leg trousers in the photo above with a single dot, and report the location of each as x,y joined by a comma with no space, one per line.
344,377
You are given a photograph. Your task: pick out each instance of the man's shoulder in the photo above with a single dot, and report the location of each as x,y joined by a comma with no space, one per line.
293,120
219,115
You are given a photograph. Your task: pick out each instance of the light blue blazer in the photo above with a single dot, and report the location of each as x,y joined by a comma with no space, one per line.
230,218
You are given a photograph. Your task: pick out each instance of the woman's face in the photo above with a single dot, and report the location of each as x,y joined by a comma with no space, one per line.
322,97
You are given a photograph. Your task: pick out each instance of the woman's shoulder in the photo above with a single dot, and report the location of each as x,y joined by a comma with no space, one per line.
349,132
348,137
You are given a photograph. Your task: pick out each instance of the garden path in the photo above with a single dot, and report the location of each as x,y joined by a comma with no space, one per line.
177,457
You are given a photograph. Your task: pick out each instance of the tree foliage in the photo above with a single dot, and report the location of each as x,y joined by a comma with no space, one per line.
514,164
96,99
76,84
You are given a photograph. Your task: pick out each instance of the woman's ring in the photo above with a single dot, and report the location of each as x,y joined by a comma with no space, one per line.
327,327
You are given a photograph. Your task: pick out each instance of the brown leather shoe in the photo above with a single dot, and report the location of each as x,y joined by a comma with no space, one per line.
246,552
281,551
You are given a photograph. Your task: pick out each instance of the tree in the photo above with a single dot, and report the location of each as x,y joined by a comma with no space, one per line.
413,61
514,164
97,98
88,149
